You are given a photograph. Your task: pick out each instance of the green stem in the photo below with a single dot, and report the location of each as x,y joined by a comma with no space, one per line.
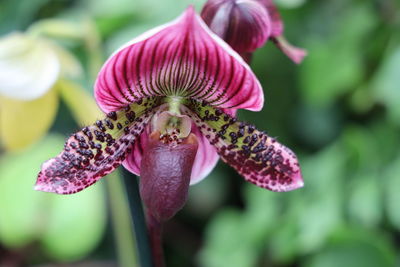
138,219
124,236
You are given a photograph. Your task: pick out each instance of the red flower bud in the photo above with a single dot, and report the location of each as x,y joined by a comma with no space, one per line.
165,175
247,25
244,24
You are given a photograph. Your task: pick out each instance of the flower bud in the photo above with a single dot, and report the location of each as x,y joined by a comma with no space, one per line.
165,175
244,24
247,24
273,13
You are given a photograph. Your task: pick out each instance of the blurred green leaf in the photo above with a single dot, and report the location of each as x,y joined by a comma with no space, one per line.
126,245
68,227
349,255
322,197
70,66
328,72
109,8
226,243
365,203
355,248
392,192
75,224
319,218
262,211
23,210
290,3
81,104
206,196
283,242
125,35
335,65
17,14
385,84
361,147
56,28
326,125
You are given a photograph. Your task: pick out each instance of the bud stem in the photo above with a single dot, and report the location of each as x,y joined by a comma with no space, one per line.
154,228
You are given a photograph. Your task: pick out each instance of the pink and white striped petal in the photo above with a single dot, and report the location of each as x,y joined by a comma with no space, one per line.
96,150
182,58
260,159
205,160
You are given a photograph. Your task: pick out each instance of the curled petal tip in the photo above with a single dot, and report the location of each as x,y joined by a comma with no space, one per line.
296,54
47,187
39,187
297,182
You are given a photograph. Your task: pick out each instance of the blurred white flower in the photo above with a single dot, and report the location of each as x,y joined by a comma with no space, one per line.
34,72
29,66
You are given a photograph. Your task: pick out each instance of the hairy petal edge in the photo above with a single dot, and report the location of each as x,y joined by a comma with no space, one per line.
260,159
96,150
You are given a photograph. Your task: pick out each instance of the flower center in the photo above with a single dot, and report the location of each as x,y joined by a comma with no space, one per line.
171,125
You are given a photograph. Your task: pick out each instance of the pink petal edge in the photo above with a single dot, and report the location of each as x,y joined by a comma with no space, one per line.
96,150
259,158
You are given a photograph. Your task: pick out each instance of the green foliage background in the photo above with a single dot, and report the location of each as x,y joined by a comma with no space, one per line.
339,111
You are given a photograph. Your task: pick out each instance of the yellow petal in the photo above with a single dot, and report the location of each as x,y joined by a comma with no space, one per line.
80,103
25,122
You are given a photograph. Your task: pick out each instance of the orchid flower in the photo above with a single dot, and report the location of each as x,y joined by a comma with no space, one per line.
247,25
30,70
171,96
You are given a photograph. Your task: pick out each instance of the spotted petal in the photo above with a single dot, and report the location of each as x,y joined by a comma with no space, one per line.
181,58
96,150
260,159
